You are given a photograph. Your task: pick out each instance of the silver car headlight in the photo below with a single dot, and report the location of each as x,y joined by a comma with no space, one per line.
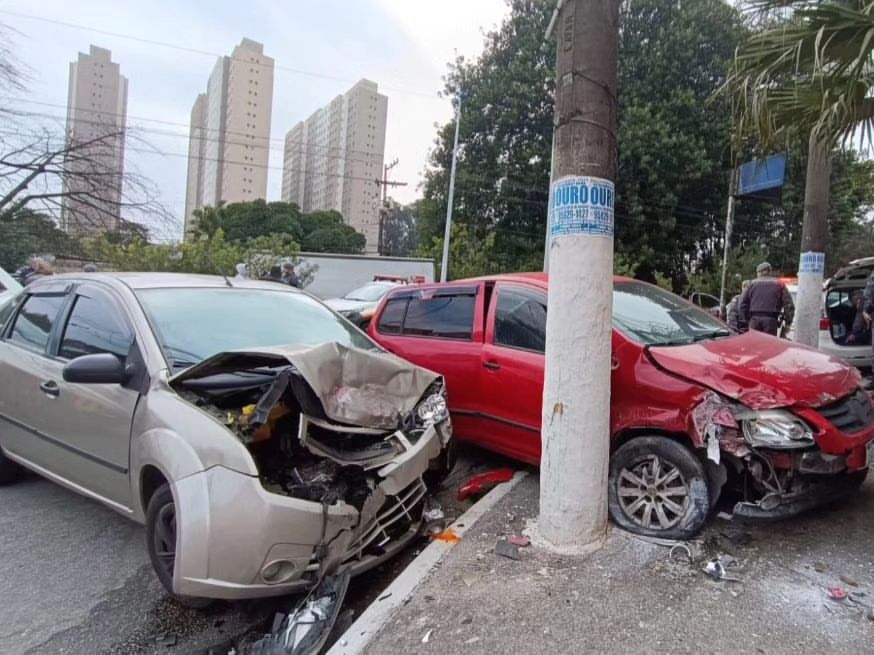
433,408
776,428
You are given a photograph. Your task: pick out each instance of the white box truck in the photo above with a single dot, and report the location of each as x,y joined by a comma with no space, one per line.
336,275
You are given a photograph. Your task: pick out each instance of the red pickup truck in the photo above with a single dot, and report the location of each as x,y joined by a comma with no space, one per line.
694,405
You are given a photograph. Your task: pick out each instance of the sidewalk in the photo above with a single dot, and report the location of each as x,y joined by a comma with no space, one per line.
631,597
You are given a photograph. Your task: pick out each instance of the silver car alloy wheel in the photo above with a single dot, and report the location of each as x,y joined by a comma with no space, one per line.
653,493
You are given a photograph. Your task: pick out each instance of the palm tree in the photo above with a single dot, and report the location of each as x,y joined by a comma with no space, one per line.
809,73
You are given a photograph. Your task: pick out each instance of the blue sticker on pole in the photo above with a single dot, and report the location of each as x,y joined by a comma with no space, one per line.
581,205
812,262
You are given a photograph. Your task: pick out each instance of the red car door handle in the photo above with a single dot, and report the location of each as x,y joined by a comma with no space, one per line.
492,366
50,387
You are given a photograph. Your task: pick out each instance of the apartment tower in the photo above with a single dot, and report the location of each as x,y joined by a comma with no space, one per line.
333,159
229,137
94,168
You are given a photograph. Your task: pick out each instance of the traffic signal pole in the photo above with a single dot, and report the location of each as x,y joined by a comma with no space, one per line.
576,395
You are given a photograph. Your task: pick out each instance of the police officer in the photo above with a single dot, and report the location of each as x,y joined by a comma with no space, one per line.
763,300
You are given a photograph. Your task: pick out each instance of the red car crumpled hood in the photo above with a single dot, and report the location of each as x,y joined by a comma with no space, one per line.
761,371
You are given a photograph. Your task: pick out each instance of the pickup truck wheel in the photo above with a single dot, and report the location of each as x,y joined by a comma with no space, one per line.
9,471
658,488
161,543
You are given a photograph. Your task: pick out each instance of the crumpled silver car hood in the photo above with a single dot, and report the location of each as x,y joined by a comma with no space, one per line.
358,387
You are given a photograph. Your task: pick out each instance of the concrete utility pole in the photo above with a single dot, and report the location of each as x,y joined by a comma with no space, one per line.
813,235
576,394
385,183
447,231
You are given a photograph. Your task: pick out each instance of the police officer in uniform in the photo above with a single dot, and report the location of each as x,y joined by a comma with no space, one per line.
763,301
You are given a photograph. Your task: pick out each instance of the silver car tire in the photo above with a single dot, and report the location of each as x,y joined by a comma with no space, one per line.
161,543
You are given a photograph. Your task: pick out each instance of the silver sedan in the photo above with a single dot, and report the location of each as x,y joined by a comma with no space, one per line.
263,440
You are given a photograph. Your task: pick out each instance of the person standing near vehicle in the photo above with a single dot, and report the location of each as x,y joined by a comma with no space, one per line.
289,276
733,310
763,301
868,301
41,268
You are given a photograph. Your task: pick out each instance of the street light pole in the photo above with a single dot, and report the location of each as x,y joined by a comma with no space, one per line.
447,231
729,226
576,396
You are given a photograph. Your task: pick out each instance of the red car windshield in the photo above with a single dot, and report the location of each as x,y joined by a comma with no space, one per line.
653,316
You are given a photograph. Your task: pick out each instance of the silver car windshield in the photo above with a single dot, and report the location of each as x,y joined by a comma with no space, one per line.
193,324
653,316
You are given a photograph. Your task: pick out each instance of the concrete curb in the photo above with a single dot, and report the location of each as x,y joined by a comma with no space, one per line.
380,611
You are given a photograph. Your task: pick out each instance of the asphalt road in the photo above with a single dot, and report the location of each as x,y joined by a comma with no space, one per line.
75,579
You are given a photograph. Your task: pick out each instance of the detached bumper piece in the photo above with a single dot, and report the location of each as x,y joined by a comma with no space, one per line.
305,630
811,495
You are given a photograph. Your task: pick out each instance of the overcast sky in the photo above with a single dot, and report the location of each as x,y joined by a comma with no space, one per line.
403,45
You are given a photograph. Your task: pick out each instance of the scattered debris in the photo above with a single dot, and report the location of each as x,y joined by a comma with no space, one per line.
737,537
506,549
427,636
383,597
448,536
725,516
467,620
167,640
433,516
482,482
472,640
715,568
820,567
305,630
836,593
680,548
522,542
848,581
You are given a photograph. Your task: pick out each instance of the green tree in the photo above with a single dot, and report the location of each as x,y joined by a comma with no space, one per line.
211,255
672,145
30,233
398,231
319,231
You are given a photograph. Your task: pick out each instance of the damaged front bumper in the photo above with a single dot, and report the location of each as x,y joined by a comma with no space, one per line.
806,494
238,533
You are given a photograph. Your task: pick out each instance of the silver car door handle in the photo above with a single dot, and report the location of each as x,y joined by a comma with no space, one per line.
50,388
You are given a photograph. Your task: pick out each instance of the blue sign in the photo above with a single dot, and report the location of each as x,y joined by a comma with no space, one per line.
812,262
762,179
581,205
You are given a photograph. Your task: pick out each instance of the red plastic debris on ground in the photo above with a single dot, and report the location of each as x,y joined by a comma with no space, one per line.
482,482
836,593
522,542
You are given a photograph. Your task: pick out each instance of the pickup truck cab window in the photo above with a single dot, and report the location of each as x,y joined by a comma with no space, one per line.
447,314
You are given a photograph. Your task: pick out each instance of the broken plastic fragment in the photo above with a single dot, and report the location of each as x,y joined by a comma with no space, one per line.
448,536
516,540
508,550
427,637
836,593
482,482
306,629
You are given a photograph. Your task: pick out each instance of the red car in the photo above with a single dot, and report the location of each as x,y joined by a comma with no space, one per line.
694,405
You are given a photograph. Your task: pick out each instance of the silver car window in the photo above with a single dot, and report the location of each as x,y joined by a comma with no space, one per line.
94,327
34,322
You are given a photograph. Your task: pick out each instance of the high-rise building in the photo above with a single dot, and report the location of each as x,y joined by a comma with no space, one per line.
94,168
229,140
333,159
